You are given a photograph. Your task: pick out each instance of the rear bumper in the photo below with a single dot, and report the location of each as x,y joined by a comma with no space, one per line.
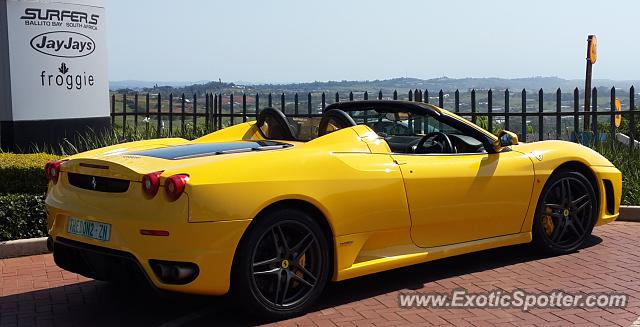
128,253
97,262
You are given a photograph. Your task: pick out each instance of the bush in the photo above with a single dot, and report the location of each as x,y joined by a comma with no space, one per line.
23,173
22,216
627,161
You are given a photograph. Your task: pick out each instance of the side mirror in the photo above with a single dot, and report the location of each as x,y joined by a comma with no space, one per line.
505,138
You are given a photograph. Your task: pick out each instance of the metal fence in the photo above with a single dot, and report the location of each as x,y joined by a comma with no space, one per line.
532,119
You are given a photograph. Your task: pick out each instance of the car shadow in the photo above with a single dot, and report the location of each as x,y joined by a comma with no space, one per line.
98,303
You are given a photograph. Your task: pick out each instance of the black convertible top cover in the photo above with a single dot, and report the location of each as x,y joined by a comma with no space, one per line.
194,150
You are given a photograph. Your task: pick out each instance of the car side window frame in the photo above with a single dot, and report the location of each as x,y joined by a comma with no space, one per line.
462,127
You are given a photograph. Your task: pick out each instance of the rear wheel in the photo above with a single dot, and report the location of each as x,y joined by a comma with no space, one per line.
566,213
282,264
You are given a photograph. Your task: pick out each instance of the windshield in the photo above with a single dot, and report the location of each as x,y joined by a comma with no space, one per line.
401,123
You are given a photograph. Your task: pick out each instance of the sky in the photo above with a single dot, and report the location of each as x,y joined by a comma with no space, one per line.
304,40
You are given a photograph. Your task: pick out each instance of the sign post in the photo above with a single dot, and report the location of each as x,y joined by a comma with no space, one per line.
53,76
592,57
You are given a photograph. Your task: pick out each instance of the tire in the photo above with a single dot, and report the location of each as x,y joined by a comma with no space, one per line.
281,265
566,213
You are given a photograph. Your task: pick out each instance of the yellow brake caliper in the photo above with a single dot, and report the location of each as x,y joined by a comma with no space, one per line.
302,261
547,222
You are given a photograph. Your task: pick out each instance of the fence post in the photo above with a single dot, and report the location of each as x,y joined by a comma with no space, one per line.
219,118
395,94
540,115
576,117
220,111
456,107
523,122
410,95
473,106
270,100
257,105
244,107
594,110
195,112
148,118
206,112
309,108
337,97
632,118
350,96
232,115
366,112
282,103
426,96
380,95
490,111
558,114
124,113
441,99
612,124
113,109
215,111
324,101
506,109
135,116
170,114
182,114
295,104
159,116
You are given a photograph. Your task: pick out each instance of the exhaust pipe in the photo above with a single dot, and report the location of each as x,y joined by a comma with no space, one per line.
172,272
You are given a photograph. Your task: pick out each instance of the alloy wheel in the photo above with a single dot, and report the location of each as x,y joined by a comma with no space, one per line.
286,264
567,213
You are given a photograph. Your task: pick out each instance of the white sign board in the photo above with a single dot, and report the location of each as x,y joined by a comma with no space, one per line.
57,57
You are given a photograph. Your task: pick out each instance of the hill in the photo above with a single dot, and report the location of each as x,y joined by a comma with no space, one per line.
388,85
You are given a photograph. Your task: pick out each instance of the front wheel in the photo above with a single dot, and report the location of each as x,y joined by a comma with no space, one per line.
282,265
566,213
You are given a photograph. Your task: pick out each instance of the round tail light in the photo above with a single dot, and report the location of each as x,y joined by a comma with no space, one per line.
151,183
52,170
174,186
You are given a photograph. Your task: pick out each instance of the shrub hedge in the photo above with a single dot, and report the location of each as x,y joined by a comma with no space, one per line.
22,216
23,173
22,188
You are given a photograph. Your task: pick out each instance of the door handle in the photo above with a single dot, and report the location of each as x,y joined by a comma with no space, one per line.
399,163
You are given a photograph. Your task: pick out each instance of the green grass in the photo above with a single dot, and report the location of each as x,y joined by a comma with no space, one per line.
627,160
91,139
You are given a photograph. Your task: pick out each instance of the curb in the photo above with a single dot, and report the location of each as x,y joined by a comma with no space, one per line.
629,213
24,247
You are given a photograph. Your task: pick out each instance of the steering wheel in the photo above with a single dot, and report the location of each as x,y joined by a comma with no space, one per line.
441,144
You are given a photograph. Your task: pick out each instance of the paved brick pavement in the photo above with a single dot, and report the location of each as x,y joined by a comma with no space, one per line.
34,291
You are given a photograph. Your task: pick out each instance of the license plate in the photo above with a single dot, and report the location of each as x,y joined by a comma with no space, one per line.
88,228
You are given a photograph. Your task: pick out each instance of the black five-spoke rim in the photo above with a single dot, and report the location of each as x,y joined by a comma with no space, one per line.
567,213
286,264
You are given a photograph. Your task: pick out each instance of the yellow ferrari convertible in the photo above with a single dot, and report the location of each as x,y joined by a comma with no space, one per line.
271,210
